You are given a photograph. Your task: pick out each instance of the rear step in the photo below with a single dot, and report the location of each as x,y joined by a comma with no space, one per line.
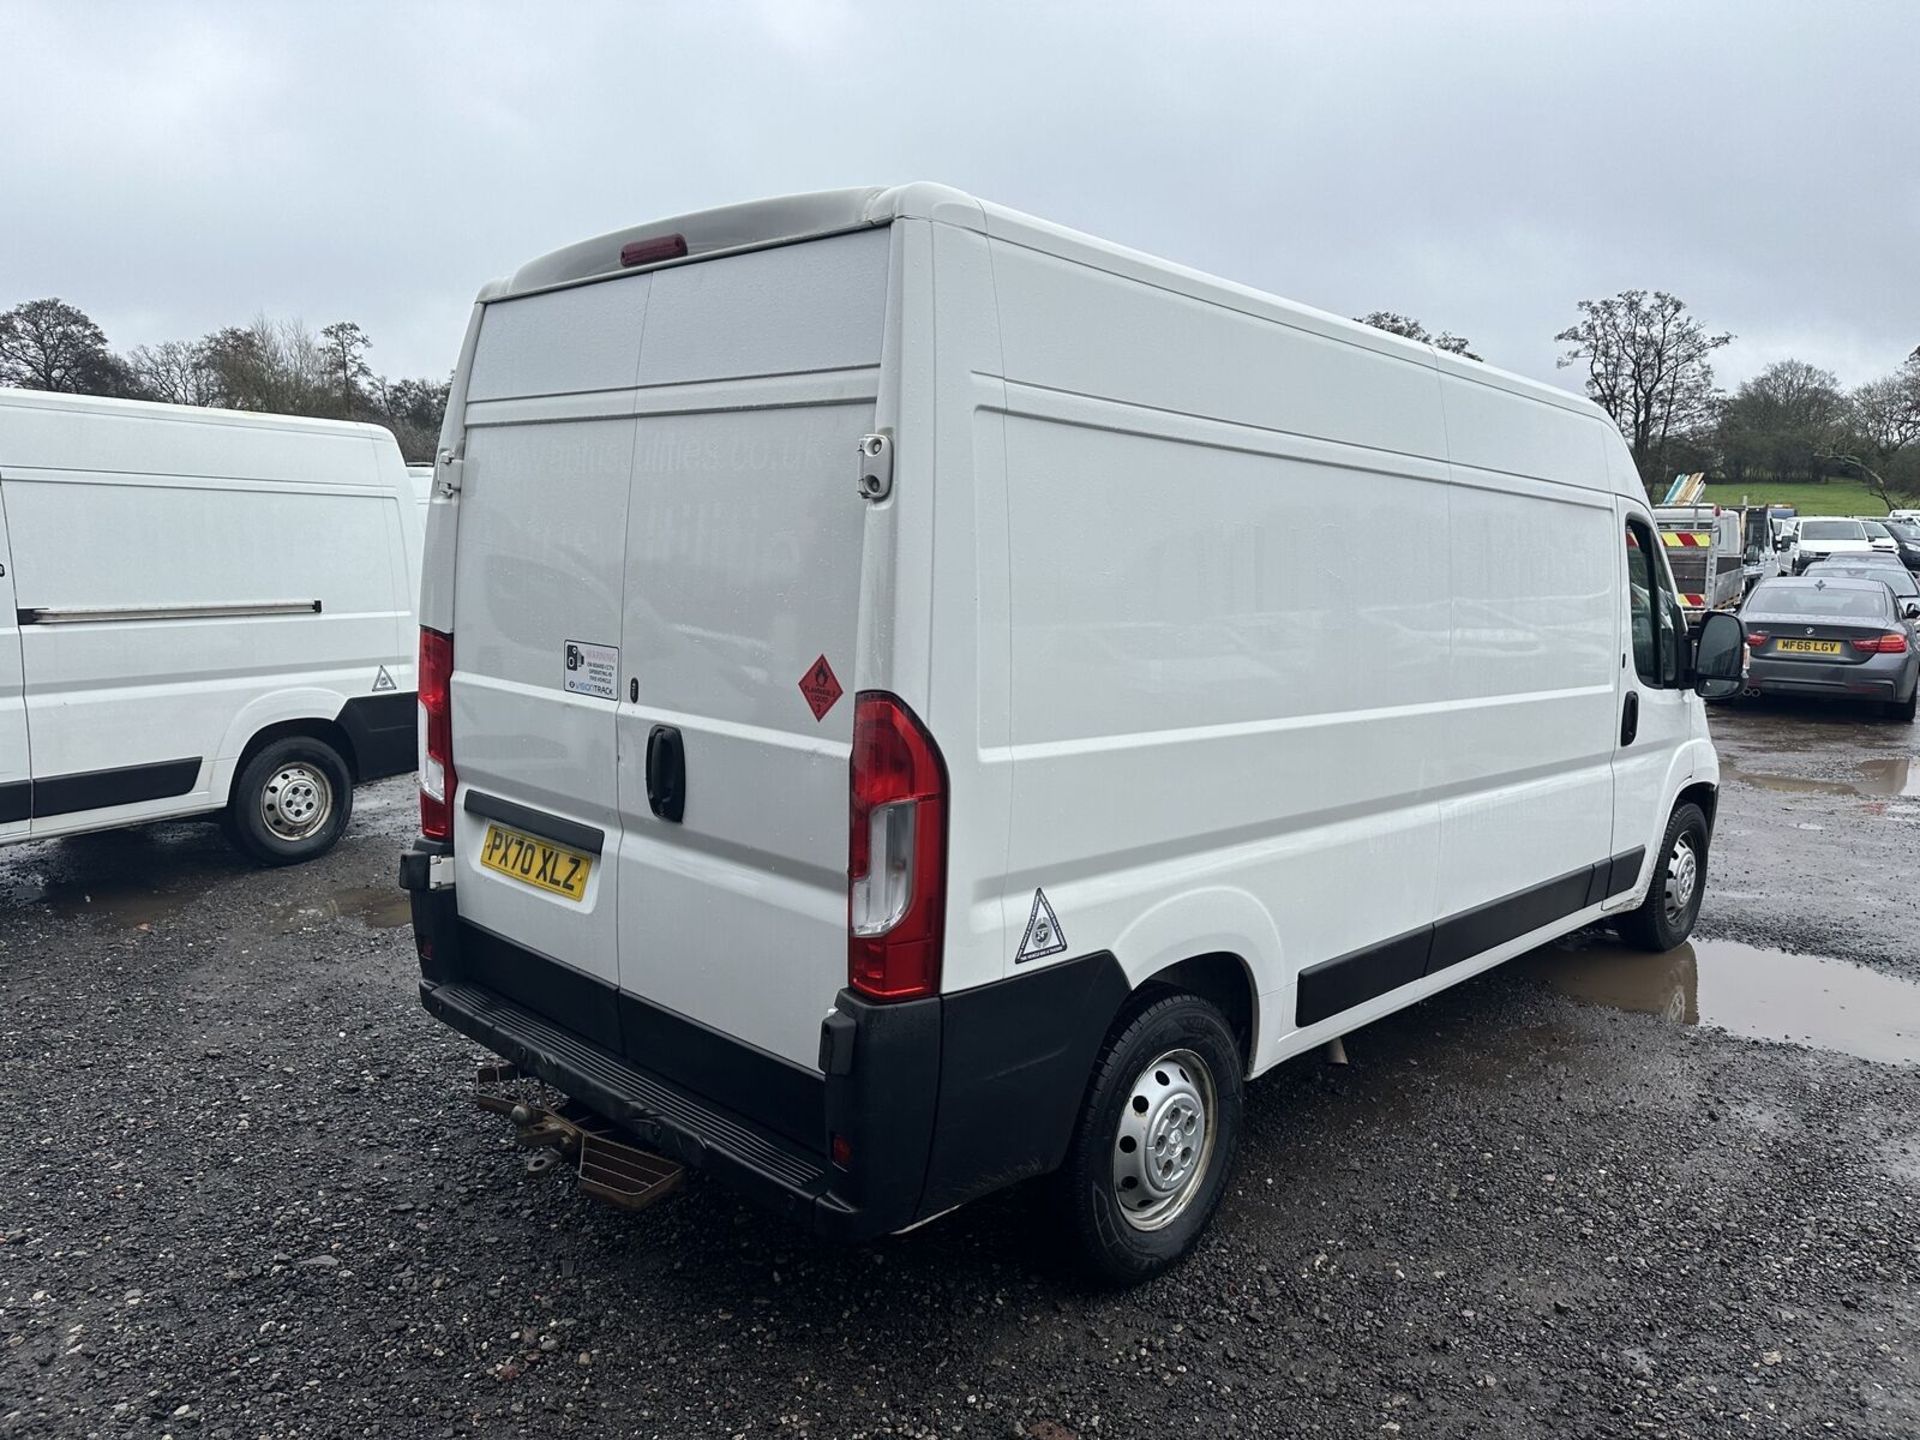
608,1167
681,1127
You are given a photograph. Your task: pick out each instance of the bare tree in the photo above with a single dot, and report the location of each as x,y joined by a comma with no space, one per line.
1783,421
175,371
1647,367
271,365
344,345
51,345
1886,412
1406,326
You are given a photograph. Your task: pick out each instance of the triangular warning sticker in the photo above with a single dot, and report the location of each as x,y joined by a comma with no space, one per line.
1044,936
821,687
383,681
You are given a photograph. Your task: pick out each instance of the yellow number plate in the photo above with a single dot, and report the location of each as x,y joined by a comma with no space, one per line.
1809,647
539,863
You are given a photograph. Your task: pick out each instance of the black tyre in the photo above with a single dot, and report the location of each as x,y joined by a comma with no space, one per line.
291,802
1155,1139
1903,710
1666,916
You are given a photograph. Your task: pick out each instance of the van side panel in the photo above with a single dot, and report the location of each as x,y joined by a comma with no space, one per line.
1215,689
1526,755
952,485
136,695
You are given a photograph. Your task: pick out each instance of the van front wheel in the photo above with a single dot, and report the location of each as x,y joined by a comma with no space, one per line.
1666,916
1155,1139
291,802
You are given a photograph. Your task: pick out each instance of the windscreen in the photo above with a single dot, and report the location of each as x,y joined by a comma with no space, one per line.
1820,602
1894,577
1832,530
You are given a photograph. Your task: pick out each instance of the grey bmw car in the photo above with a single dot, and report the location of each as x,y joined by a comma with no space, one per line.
1832,636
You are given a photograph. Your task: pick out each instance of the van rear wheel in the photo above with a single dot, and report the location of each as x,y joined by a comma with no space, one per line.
291,801
1665,918
1155,1139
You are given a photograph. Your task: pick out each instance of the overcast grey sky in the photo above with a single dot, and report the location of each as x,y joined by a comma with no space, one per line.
1480,164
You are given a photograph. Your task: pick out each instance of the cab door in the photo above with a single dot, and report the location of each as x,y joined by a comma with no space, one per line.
1653,704
16,778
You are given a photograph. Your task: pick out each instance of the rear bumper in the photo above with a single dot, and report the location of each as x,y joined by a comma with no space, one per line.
938,1100
1874,680
772,1170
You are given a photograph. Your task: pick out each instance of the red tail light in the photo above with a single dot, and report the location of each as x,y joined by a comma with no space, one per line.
437,780
1892,643
896,852
1757,638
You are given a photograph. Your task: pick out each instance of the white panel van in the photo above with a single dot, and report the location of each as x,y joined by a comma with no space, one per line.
201,611
903,711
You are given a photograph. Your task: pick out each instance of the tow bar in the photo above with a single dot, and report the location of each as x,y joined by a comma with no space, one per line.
609,1168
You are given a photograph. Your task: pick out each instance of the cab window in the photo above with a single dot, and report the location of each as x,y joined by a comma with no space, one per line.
1658,623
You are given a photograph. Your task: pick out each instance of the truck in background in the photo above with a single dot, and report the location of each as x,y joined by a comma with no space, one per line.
1707,550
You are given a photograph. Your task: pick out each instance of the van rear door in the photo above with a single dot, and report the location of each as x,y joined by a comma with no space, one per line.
538,579
759,374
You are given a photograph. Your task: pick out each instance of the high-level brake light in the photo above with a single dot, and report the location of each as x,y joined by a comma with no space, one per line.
653,250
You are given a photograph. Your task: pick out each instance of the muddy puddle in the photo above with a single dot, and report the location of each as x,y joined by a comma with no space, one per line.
133,902
1746,990
381,906
1890,778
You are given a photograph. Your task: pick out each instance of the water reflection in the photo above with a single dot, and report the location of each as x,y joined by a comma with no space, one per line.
1765,994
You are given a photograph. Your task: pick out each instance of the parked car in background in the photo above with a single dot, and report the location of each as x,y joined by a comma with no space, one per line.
1884,568
1834,638
205,611
1821,537
1878,535
1906,538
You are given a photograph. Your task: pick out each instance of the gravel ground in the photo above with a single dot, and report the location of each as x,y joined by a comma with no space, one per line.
248,1195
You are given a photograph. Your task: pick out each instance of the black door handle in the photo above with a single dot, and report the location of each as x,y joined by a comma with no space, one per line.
1630,718
666,773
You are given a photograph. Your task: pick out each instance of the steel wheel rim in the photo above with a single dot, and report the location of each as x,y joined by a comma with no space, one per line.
1164,1146
1683,879
296,801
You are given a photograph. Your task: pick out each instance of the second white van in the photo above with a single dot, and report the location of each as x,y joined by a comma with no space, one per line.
903,711
201,612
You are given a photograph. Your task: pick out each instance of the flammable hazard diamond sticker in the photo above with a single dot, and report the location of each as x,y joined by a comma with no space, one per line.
820,687
1044,936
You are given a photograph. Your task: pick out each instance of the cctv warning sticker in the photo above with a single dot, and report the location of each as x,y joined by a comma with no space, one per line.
1044,936
821,688
592,670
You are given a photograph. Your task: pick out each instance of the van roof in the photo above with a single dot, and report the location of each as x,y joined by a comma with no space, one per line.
154,410
784,219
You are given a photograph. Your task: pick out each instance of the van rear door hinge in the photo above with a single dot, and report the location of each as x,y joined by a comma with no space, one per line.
446,474
876,465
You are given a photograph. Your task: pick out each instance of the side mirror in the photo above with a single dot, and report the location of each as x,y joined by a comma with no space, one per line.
1913,610
1719,656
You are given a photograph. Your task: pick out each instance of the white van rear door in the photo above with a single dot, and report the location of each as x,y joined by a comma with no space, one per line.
759,376
537,583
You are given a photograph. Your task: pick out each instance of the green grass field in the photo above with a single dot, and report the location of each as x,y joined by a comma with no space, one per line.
1836,497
